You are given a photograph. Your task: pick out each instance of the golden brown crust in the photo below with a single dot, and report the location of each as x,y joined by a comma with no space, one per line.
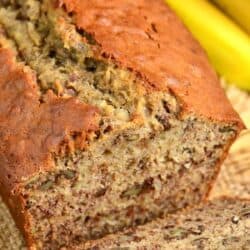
146,37
31,130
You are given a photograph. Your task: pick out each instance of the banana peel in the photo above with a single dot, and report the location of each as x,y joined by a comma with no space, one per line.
239,10
227,45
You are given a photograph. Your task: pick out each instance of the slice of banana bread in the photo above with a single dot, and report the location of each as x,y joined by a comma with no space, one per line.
223,224
110,115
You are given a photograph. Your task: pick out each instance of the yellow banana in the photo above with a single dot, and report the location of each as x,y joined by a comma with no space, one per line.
239,10
228,47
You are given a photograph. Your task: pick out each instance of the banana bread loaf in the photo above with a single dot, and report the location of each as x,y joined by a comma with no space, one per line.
110,115
223,224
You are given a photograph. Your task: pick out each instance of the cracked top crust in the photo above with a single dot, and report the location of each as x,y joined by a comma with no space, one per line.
32,131
146,37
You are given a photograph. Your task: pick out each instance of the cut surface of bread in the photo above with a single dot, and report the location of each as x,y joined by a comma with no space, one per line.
91,144
223,224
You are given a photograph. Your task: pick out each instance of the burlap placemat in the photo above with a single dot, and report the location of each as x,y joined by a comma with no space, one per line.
234,179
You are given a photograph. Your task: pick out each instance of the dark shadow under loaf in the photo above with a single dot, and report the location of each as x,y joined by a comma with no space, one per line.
110,115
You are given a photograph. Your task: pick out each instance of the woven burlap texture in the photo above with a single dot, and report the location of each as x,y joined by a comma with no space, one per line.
233,180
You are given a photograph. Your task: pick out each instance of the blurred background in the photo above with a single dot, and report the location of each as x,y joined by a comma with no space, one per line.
223,29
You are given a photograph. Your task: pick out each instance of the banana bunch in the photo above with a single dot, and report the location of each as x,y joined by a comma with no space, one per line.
227,45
